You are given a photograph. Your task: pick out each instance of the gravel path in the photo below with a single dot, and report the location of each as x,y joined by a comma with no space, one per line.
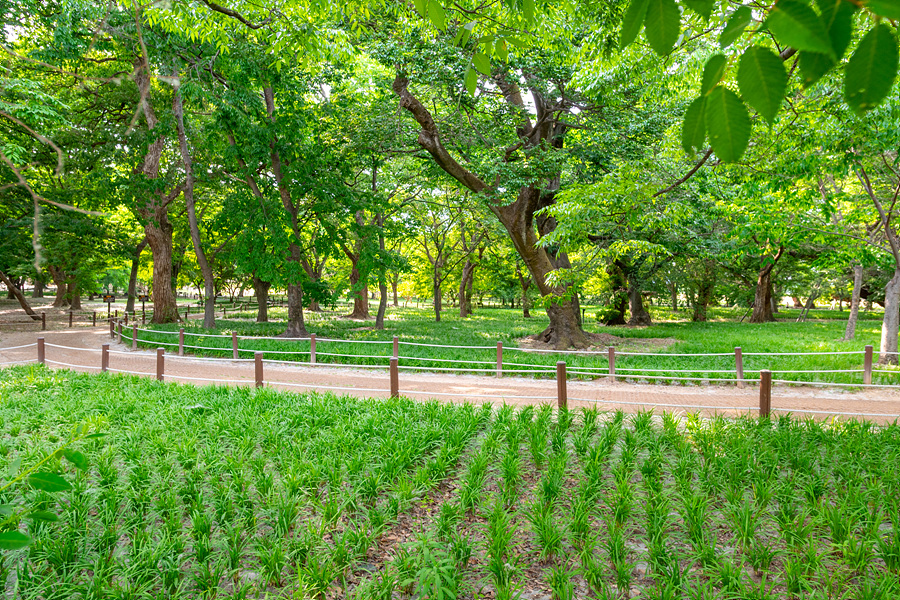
84,343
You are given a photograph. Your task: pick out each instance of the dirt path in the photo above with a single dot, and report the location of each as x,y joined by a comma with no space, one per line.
629,397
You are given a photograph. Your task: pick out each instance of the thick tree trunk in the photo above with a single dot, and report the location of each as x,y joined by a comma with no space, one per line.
395,280
891,323
15,291
38,291
360,294
673,291
132,277
209,307
436,293
466,280
762,301
639,314
159,238
261,291
619,295
295,326
59,281
382,304
73,293
850,331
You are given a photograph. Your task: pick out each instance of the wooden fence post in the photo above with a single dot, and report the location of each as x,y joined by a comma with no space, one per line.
258,356
160,363
395,378
181,342
40,342
126,318
44,322
499,360
94,319
765,393
104,358
112,328
312,348
118,332
70,318
867,367
234,348
143,315
561,399
612,364
396,346
739,366
134,337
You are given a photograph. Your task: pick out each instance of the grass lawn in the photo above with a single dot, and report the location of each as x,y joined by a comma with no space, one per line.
241,493
821,333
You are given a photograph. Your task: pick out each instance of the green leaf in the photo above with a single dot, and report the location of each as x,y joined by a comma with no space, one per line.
94,436
43,515
13,540
6,509
796,24
712,72
436,14
735,26
693,130
813,66
49,482
471,81
838,18
631,24
663,23
421,7
76,458
871,71
727,123
762,80
884,8
501,50
482,63
701,7
528,10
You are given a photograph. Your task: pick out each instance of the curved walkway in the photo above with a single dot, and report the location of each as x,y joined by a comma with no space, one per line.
81,352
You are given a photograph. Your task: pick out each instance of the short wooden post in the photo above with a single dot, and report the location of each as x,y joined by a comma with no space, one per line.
40,342
112,328
765,393
143,315
396,346
117,313
234,348
312,348
104,358
160,363
94,319
70,318
134,337
612,363
561,399
739,366
499,360
126,318
43,321
181,342
867,366
258,357
118,332
395,377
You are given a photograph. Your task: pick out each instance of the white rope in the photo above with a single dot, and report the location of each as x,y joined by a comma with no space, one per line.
56,362
473,369
862,385
747,408
639,377
352,355
828,412
802,353
326,387
478,395
72,348
209,358
132,372
672,354
318,339
548,370
19,347
547,351
673,370
18,362
454,360
886,372
166,332
170,376
443,346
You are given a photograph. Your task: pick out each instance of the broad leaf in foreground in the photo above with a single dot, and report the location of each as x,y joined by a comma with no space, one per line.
871,70
693,130
662,25
727,123
797,25
762,79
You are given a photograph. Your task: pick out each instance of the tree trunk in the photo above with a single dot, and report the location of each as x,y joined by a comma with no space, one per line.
465,289
159,238
673,290
382,304
38,291
850,331
360,294
762,301
15,291
132,277
639,314
436,292
261,291
209,307
394,281
704,296
73,293
59,281
891,323
295,326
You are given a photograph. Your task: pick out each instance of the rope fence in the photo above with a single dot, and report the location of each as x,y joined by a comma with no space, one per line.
765,381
